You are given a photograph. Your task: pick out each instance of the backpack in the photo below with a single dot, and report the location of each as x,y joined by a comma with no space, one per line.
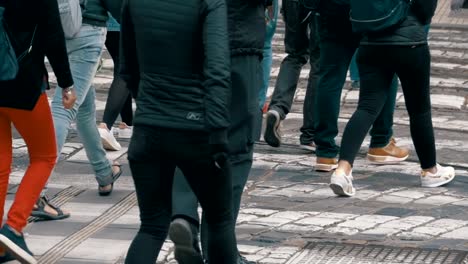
424,10
11,62
9,65
70,16
370,16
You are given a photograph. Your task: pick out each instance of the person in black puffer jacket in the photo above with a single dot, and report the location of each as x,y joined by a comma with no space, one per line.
178,53
405,52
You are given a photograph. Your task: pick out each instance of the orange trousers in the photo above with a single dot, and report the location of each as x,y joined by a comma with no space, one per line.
37,129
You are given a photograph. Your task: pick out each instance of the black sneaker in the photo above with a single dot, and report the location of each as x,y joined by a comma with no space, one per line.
272,134
185,243
16,246
6,258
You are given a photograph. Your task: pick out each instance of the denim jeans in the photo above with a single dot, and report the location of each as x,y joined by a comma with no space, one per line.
84,52
301,44
268,53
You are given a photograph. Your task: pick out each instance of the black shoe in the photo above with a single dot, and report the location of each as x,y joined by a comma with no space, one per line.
6,258
16,246
185,242
243,260
272,134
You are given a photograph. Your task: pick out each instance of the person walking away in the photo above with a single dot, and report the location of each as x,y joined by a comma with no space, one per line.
301,44
33,26
119,99
338,44
403,51
182,65
84,51
246,36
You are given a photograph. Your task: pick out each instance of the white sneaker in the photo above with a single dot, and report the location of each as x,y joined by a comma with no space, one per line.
443,176
342,184
108,140
125,131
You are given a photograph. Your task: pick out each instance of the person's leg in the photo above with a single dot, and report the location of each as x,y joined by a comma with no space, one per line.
308,129
296,43
152,173
353,69
268,53
127,111
414,73
117,100
213,187
334,62
6,157
89,135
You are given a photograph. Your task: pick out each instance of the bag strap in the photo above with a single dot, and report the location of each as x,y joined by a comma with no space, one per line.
26,52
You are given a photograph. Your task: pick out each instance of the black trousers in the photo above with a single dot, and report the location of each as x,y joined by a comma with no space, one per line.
377,66
301,43
154,153
119,100
246,80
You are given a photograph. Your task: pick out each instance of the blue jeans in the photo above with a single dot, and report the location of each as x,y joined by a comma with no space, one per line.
84,52
268,53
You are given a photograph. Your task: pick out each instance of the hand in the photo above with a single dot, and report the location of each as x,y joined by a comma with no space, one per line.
68,97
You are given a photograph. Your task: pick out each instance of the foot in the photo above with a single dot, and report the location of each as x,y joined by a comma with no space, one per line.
106,190
342,184
326,164
44,210
186,246
441,176
107,137
272,134
125,131
309,146
13,242
390,154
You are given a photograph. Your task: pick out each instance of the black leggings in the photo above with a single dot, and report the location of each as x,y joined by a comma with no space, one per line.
119,99
377,66
154,153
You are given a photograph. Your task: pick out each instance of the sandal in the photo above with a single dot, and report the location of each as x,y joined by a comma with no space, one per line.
115,177
43,215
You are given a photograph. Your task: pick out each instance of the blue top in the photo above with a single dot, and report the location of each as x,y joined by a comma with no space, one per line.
112,24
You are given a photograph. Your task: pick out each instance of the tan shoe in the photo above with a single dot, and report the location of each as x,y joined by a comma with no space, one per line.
326,164
389,154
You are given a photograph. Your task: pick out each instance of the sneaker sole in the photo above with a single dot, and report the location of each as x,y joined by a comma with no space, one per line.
108,145
182,238
125,135
339,190
271,136
308,148
21,255
434,185
385,159
325,167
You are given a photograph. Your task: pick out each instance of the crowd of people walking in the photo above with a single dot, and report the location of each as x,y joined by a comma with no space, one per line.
199,73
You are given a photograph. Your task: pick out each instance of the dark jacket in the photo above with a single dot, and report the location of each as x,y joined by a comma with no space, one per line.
178,52
246,26
22,16
95,13
114,7
334,23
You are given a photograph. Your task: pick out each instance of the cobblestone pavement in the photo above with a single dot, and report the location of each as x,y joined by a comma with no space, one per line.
289,215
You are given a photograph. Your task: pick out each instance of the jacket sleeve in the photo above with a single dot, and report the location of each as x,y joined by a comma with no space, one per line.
216,70
114,7
55,48
129,70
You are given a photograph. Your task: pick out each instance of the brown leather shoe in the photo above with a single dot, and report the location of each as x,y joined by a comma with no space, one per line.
326,164
389,154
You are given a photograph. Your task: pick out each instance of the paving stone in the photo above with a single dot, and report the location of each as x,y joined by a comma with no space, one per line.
394,211
438,200
260,192
258,211
100,249
461,233
447,224
249,249
410,194
412,236
377,219
407,222
272,261
366,194
355,224
289,193
292,215
343,231
318,221
326,192
242,218
462,203
337,215
41,244
427,230
299,228
394,199
381,231
270,221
